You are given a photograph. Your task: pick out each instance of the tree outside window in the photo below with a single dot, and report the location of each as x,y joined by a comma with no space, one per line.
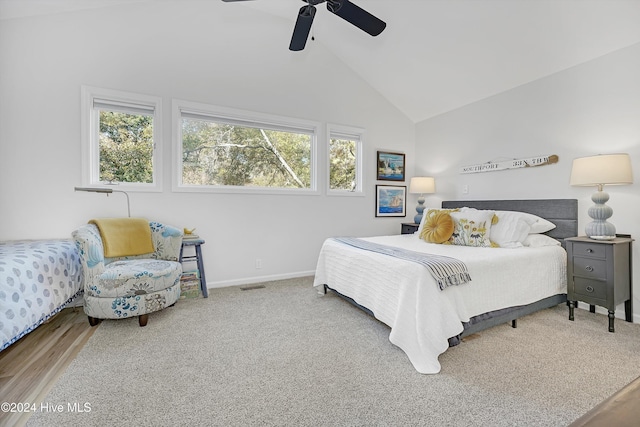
122,139
222,153
126,147
345,160
342,169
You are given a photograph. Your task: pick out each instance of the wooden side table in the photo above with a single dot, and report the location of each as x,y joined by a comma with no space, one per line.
198,259
599,272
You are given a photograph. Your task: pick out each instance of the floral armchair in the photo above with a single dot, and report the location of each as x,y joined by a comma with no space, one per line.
116,288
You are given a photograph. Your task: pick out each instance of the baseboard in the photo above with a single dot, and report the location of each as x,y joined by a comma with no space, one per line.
258,279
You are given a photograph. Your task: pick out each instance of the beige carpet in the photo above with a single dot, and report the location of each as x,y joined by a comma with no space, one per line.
286,356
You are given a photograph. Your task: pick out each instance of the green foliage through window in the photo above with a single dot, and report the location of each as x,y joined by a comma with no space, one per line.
221,154
342,159
126,147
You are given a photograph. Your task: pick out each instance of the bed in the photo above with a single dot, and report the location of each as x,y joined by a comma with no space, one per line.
506,283
38,278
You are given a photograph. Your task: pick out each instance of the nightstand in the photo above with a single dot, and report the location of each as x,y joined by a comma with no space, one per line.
599,273
409,228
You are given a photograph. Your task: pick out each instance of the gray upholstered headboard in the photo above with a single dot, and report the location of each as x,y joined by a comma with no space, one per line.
562,212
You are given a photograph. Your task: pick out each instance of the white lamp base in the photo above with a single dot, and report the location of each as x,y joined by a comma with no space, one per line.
599,228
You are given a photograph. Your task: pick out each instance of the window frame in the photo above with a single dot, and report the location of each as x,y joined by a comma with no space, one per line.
351,133
125,101
226,114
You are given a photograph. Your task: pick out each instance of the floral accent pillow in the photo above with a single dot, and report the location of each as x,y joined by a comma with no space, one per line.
508,228
472,228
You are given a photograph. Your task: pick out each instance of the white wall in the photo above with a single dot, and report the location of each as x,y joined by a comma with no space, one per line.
589,109
198,51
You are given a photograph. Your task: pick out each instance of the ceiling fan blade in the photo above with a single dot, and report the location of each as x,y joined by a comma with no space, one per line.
302,28
356,16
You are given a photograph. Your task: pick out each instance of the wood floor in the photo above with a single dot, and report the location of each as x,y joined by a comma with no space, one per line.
30,367
620,410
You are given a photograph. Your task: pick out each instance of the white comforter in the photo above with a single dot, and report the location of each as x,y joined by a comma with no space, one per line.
37,279
403,295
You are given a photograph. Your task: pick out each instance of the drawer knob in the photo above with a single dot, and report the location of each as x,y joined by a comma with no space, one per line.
589,268
589,250
589,288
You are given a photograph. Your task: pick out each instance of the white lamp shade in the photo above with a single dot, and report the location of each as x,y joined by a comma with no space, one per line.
422,185
610,169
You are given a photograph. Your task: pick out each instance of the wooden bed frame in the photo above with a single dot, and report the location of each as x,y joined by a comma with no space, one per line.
562,212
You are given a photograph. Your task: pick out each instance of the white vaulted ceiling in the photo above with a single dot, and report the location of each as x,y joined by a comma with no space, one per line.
435,55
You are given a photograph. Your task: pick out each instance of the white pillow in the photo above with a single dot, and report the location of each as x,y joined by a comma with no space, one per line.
511,229
540,240
538,225
511,225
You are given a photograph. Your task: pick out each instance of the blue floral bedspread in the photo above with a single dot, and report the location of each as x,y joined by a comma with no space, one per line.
38,278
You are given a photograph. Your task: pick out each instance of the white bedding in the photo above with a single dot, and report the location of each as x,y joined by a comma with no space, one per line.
403,295
37,279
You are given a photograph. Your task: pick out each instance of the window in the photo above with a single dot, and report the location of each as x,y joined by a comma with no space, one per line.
345,160
121,136
229,150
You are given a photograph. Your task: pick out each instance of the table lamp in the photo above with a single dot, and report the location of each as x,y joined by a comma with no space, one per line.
421,185
598,171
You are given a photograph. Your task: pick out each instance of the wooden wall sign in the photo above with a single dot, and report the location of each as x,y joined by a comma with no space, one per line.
510,164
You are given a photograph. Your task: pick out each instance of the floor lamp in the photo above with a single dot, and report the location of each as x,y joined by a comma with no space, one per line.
106,191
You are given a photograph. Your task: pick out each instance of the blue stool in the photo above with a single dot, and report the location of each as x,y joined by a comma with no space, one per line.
198,259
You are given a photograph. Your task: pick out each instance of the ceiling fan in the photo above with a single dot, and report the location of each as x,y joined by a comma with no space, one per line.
343,8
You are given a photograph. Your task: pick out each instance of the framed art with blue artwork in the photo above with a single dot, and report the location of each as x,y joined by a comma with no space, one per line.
390,166
391,200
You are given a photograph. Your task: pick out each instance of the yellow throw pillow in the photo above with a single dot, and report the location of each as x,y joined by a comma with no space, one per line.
438,226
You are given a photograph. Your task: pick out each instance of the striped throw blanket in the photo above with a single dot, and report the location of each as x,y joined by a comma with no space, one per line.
445,270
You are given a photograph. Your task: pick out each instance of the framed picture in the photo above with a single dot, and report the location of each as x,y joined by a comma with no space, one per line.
391,200
390,166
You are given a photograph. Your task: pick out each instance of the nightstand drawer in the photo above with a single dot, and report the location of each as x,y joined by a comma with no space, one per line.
590,268
590,288
408,228
589,250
